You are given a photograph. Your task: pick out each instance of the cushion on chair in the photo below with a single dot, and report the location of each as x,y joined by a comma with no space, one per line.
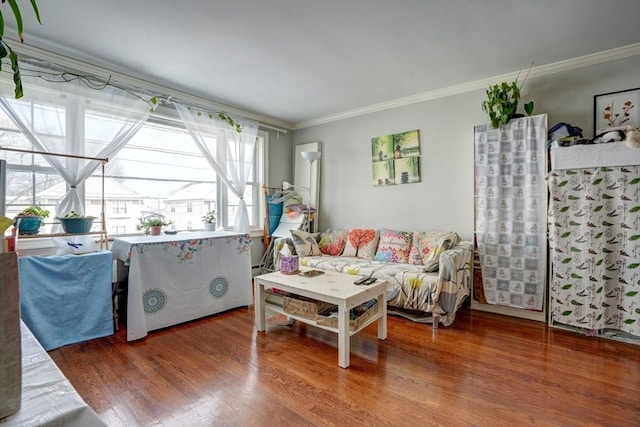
428,245
394,246
362,243
332,242
305,243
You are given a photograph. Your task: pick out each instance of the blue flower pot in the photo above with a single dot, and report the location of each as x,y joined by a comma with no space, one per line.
77,225
28,224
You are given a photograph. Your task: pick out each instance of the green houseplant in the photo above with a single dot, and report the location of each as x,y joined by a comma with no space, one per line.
5,49
29,220
209,220
151,224
502,102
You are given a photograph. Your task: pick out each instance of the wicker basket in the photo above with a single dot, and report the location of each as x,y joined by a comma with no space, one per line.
354,324
307,308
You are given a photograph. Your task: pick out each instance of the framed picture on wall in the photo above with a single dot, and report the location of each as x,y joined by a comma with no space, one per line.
396,158
615,109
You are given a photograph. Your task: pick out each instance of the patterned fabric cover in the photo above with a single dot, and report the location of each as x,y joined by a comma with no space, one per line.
361,243
410,287
394,246
305,243
332,241
428,245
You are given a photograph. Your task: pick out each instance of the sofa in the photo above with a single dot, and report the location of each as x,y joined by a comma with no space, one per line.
428,272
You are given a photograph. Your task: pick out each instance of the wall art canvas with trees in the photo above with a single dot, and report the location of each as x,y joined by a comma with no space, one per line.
396,158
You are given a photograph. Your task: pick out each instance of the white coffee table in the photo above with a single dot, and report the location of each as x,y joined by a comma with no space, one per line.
332,287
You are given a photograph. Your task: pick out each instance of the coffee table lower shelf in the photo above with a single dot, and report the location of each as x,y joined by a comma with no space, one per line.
278,309
333,288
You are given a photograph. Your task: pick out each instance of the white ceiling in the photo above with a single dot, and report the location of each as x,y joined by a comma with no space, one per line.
302,60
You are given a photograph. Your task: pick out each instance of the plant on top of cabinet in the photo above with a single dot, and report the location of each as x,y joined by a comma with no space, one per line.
502,101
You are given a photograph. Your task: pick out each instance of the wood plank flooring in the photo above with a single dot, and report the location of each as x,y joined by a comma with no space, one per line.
484,370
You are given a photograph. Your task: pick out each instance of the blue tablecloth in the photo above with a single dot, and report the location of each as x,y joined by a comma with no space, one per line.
67,299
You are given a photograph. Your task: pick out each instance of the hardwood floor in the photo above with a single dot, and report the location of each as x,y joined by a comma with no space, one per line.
484,370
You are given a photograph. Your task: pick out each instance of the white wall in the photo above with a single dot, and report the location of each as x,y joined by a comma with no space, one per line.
444,197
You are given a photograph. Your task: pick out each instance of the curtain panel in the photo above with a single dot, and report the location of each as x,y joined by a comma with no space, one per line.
62,120
510,210
228,152
594,236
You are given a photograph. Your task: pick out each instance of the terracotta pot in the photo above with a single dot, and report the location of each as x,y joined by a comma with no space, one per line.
155,230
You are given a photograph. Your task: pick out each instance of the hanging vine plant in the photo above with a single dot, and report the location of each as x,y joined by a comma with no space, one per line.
221,115
5,49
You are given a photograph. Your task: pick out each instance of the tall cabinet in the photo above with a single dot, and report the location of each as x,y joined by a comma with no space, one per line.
510,217
594,236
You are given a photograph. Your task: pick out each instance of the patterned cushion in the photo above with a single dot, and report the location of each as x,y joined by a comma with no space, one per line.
394,246
428,245
332,241
361,243
305,243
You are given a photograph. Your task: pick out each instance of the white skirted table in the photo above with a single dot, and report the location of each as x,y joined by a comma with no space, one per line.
178,278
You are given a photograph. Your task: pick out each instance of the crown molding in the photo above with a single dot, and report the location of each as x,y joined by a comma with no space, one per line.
99,71
543,70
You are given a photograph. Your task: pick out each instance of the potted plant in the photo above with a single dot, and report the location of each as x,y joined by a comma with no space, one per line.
502,102
151,224
29,220
209,220
75,223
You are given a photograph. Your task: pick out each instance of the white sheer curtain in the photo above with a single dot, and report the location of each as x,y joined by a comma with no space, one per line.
69,117
229,152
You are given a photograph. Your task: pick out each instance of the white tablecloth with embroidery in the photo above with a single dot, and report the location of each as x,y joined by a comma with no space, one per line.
177,278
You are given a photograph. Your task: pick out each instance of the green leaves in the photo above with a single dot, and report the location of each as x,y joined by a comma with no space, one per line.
5,49
502,102
528,108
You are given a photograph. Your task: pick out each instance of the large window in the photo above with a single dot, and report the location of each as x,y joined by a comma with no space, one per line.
160,170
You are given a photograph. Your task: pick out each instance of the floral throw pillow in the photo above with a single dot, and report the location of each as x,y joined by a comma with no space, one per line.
394,246
305,243
361,243
332,242
428,245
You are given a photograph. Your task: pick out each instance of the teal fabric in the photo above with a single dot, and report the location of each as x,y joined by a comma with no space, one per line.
66,299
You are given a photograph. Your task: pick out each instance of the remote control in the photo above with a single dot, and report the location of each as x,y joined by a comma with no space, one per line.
360,281
369,281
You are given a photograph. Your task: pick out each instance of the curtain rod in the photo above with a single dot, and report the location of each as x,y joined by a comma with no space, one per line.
141,82
272,128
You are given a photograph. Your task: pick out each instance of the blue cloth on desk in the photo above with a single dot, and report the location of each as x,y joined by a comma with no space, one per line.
66,299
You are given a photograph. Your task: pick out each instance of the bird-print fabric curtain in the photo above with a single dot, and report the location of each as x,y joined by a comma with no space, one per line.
594,236
510,206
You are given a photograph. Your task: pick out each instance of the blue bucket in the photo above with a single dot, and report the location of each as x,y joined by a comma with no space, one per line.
275,212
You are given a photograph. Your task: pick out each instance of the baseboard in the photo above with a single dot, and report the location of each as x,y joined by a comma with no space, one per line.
538,316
